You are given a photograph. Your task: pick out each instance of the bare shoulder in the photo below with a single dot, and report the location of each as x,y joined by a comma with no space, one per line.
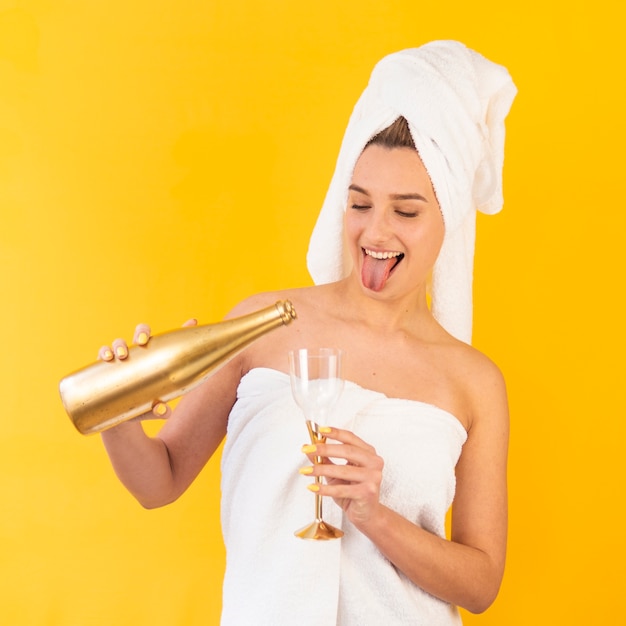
302,298
259,301
270,350
483,384
480,368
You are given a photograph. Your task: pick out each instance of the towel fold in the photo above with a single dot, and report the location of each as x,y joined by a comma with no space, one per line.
455,102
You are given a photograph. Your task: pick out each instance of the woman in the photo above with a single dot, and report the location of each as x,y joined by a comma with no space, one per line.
423,417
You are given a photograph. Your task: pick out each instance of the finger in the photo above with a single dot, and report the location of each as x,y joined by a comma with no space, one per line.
353,455
344,436
312,455
160,410
192,322
105,353
120,349
342,472
142,334
363,491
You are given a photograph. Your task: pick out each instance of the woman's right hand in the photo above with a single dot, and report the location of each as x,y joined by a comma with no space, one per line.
119,348
119,351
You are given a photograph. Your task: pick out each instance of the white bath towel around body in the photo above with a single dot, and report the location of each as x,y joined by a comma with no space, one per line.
275,579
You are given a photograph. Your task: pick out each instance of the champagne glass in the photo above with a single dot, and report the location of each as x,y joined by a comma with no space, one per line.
316,384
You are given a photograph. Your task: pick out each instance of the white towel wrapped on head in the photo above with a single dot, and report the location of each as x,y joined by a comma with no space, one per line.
455,102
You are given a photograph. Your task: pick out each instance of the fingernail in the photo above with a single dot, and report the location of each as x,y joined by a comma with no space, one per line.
325,429
309,448
142,339
120,351
160,409
107,355
313,487
306,470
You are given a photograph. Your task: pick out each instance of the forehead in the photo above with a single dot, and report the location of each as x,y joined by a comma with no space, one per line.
395,170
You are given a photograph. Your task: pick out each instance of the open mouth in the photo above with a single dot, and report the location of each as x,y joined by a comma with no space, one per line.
378,266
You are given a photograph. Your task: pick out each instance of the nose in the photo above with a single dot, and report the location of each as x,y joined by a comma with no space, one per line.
378,228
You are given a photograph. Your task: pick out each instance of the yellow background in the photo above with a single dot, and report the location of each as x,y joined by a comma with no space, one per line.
162,160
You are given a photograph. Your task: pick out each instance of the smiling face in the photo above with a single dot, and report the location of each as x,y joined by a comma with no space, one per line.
393,223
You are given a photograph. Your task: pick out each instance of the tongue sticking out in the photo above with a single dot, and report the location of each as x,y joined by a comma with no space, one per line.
375,272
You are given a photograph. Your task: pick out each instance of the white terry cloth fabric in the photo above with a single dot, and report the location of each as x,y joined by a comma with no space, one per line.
455,102
275,579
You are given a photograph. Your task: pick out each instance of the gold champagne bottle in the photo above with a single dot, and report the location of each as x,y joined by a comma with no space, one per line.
105,394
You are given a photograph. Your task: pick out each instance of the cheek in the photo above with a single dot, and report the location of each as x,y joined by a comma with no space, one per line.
431,240
438,235
351,226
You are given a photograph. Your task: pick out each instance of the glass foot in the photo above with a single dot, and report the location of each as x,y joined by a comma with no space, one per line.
319,531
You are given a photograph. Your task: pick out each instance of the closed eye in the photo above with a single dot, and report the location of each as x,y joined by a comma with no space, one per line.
360,207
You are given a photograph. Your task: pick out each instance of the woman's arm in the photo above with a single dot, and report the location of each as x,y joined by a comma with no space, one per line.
466,571
157,470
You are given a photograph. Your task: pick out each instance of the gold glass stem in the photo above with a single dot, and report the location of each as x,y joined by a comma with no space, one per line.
318,505
319,529
317,460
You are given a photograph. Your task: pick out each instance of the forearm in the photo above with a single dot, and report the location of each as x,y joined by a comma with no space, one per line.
141,463
457,573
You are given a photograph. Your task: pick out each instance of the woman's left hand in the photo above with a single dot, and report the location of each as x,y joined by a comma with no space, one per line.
355,485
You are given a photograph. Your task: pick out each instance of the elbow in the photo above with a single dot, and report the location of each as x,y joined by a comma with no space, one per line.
155,501
150,505
483,598
479,606
484,587
154,495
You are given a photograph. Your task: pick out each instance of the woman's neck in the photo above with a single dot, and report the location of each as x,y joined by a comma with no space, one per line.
406,312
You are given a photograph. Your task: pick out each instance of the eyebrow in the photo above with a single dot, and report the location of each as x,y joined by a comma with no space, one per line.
393,196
